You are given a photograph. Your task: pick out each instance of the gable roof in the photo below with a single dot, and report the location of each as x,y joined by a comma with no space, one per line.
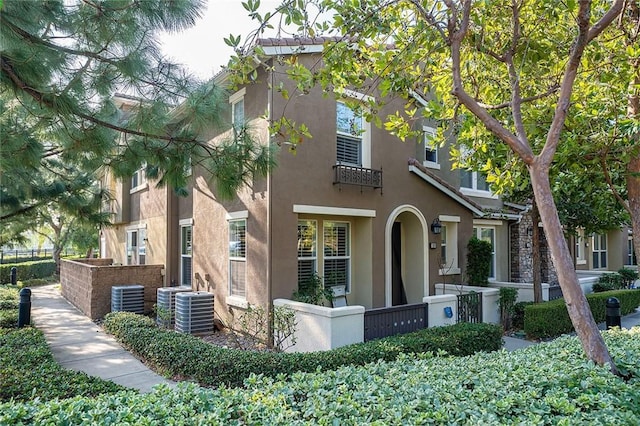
428,176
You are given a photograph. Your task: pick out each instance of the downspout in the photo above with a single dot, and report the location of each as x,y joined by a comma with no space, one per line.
269,203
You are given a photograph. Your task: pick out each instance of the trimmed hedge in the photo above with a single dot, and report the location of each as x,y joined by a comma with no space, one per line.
551,319
550,384
28,370
27,270
183,355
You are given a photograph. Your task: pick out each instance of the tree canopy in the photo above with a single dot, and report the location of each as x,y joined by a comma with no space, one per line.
63,62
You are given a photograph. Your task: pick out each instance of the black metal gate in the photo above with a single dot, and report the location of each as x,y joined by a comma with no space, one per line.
383,322
470,307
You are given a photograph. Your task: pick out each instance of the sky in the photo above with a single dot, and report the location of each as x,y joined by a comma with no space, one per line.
202,48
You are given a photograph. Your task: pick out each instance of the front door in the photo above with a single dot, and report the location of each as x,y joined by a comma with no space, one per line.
398,293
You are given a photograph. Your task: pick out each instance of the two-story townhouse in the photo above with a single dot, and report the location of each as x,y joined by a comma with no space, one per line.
352,204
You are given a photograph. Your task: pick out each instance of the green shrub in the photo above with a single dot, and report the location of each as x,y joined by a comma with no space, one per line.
628,276
608,282
550,384
28,370
28,270
176,354
551,319
517,320
479,262
313,291
9,303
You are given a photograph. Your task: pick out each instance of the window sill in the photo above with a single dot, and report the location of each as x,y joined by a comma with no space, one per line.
478,193
581,262
139,188
449,271
431,165
237,302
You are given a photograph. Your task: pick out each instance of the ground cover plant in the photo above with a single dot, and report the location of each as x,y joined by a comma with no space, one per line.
27,367
550,383
182,355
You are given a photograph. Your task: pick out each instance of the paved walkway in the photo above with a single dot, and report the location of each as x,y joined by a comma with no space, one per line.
79,344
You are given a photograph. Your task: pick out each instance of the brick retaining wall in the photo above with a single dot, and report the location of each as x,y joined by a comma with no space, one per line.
86,283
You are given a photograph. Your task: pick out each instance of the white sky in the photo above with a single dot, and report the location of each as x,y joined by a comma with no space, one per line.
202,48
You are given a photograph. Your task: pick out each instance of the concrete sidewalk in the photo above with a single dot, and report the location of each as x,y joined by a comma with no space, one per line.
514,343
79,344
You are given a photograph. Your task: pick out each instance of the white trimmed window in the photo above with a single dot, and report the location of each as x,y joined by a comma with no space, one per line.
599,251
237,108
349,129
136,246
237,257
337,254
307,249
449,245
430,151
139,179
488,233
186,251
580,243
631,255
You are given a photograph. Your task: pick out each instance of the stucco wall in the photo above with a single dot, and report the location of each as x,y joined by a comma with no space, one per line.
87,284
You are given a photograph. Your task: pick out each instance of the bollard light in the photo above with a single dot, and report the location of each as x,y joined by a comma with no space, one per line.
613,316
24,309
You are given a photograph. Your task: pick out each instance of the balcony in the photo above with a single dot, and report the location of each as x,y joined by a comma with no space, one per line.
352,175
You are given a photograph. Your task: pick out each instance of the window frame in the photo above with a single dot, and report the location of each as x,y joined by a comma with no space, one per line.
136,248
598,251
186,252
314,247
235,259
365,131
632,259
429,133
580,254
139,180
477,231
347,257
449,235
235,100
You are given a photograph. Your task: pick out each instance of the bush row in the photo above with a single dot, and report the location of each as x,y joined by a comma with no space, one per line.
176,354
551,319
28,270
28,370
27,366
550,384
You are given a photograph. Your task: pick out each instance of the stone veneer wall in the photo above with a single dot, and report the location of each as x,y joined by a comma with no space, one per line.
522,254
87,283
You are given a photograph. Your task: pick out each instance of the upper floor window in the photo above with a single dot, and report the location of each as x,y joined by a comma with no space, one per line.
430,151
237,108
349,127
139,178
473,180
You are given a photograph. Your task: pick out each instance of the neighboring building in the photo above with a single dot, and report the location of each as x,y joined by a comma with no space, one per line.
353,204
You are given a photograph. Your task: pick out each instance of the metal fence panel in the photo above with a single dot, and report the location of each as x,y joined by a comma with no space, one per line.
470,307
384,322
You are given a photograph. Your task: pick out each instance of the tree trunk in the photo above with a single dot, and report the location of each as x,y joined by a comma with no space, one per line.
633,196
57,251
577,306
535,247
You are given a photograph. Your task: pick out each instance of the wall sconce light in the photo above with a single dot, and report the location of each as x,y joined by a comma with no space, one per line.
530,231
436,226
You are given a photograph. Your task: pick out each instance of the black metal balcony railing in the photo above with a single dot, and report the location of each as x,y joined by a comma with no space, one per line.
352,175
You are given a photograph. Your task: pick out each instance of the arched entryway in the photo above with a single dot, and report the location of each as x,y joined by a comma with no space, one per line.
406,271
